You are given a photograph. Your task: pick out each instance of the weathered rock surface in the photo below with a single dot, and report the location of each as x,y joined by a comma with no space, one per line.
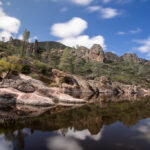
130,58
26,90
73,83
96,53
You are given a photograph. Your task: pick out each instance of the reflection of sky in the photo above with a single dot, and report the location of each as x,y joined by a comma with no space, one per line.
5,145
69,141
61,143
143,128
82,135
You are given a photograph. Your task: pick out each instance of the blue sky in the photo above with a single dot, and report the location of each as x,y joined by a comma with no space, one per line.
118,25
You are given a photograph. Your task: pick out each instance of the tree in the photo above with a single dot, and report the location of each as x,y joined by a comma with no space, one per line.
67,61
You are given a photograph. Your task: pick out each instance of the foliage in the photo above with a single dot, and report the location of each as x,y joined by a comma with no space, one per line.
67,61
26,69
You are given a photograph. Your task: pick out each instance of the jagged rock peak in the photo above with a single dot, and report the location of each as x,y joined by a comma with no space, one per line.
96,53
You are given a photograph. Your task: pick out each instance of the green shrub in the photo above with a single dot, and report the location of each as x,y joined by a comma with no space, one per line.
26,69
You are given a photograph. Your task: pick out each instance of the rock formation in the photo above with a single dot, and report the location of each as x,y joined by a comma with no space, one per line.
130,58
35,48
25,90
96,53
109,56
11,42
74,83
82,53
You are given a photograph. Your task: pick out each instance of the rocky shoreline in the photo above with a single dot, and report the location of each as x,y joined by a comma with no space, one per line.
22,89
73,83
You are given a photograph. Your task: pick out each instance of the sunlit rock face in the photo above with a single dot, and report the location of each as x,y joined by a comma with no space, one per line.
82,53
96,53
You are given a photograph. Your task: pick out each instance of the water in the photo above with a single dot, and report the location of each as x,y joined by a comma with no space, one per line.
123,125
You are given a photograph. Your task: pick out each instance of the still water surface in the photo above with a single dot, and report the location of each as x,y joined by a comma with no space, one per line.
108,126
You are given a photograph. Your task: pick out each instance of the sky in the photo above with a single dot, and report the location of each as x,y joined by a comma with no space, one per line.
119,26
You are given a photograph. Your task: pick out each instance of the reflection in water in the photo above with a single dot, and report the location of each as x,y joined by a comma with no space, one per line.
81,135
60,143
144,130
4,144
99,125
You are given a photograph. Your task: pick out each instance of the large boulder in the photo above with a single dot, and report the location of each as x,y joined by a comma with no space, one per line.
96,53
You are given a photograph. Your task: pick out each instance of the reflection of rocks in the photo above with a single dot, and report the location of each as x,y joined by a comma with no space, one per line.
89,117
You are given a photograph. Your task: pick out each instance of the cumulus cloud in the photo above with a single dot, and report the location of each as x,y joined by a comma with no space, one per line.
84,40
70,33
106,13
8,25
138,30
72,28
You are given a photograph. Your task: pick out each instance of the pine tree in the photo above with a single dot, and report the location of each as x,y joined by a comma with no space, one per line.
67,61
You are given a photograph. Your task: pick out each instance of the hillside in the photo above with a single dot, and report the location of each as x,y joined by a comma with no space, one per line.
39,59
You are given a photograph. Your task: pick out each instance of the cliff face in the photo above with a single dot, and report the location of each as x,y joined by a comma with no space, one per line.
95,53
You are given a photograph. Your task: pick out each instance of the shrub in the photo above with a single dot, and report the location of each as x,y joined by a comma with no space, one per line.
26,69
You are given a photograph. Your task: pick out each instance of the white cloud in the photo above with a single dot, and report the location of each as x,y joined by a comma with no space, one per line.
106,13
81,2
70,34
62,143
1,3
138,30
72,28
8,25
77,2
145,45
117,1
84,40
5,34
